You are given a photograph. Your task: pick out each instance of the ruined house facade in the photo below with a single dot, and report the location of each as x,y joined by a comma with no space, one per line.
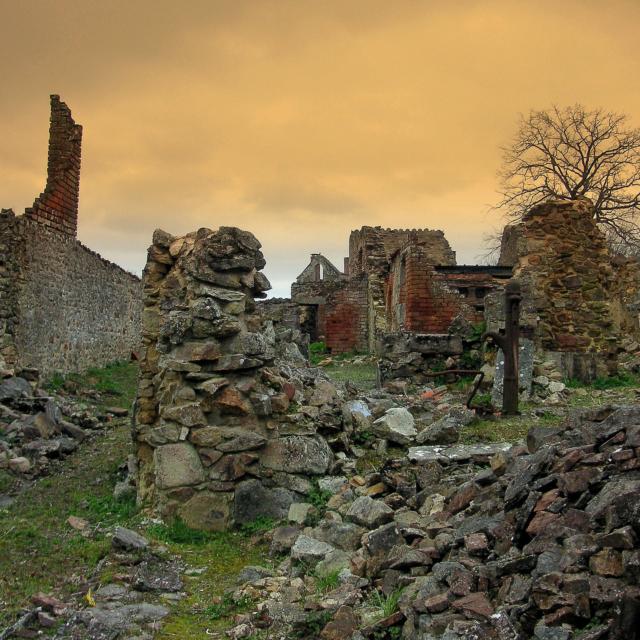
62,307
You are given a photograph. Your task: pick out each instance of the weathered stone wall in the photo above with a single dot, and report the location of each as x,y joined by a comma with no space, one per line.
9,278
75,309
289,323
215,443
62,307
57,206
372,248
566,270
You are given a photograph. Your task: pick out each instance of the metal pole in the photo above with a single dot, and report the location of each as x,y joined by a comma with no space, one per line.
512,340
509,343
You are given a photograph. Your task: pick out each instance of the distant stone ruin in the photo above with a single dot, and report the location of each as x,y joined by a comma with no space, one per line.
217,442
62,307
578,298
403,297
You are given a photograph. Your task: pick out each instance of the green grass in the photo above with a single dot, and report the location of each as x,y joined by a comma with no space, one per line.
317,352
259,525
388,605
328,582
506,429
227,606
117,382
39,551
6,481
622,380
208,605
362,375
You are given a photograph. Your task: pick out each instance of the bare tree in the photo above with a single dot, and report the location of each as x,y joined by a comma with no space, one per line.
568,153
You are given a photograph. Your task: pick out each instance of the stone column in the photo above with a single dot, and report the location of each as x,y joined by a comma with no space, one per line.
209,436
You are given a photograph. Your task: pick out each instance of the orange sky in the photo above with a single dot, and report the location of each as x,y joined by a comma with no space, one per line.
296,119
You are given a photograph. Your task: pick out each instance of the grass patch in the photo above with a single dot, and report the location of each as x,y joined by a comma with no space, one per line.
507,429
622,380
328,582
39,551
208,605
227,606
317,352
259,525
362,375
106,510
6,481
177,532
115,381
388,605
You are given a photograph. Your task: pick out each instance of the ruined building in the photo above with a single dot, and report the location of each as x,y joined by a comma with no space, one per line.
62,307
402,296
394,280
578,298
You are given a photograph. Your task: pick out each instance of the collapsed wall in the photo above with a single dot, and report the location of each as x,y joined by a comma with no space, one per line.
578,290
215,442
63,308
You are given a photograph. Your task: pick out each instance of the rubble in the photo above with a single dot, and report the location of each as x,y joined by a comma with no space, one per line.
502,542
37,426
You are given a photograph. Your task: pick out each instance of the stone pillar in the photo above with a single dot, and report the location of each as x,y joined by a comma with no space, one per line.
213,443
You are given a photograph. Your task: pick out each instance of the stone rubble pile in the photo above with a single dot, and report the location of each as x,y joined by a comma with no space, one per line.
148,582
36,426
497,542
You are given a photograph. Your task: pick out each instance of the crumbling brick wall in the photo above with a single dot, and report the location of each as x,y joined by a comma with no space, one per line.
57,206
418,298
345,317
62,307
371,250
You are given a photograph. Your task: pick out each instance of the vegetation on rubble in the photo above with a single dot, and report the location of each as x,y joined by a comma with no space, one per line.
328,581
622,380
116,382
317,352
386,604
39,550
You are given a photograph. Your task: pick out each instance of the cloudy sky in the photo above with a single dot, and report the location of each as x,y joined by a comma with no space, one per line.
299,120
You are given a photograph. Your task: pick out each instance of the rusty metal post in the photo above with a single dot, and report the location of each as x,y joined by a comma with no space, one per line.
509,343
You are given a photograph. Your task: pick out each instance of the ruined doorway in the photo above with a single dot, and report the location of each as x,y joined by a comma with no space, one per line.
309,324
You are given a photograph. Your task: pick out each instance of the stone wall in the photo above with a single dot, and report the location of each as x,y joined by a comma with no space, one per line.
216,443
76,310
579,294
9,289
62,307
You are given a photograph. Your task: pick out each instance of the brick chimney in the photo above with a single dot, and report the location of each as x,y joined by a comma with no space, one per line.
57,206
